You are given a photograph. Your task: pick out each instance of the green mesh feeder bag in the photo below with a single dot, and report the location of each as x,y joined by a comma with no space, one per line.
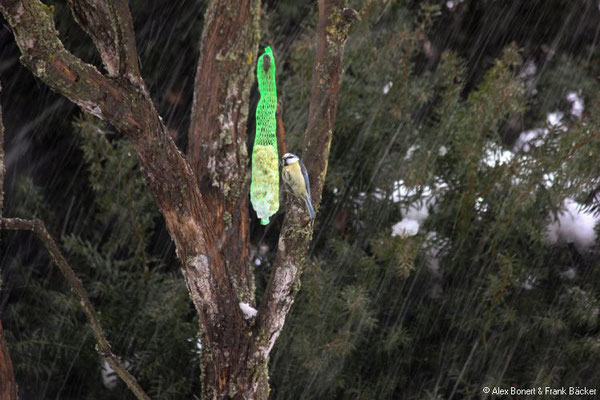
264,189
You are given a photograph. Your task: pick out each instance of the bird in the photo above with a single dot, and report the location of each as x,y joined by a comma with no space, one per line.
295,175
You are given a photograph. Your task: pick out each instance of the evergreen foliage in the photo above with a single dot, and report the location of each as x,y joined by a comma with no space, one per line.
477,297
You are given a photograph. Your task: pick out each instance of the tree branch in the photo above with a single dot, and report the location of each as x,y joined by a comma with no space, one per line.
580,144
334,24
44,54
296,234
110,26
103,346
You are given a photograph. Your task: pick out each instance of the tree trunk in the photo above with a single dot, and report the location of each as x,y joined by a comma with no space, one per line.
218,155
248,379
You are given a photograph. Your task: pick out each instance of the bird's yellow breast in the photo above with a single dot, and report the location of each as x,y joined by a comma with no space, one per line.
293,176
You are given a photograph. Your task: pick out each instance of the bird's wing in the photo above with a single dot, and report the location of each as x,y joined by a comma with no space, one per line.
305,174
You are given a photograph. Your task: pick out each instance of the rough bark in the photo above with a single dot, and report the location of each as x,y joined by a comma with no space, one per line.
296,234
217,137
8,385
109,25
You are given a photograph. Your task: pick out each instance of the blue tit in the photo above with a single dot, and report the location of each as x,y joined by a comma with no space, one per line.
295,175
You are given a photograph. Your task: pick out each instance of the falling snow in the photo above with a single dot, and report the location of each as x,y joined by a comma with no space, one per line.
456,244
387,87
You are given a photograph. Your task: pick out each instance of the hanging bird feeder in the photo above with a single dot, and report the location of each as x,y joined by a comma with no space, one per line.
264,188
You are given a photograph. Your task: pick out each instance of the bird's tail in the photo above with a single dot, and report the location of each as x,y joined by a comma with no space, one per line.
309,206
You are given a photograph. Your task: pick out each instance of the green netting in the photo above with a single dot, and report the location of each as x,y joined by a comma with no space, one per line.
264,189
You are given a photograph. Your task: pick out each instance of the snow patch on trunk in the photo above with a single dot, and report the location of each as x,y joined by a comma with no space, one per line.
248,310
